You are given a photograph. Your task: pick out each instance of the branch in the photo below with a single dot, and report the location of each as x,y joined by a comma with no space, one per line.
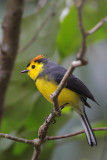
97,26
7,136
9,46
42,132
79,7
54,96
39,29
36,141
37,149
74,134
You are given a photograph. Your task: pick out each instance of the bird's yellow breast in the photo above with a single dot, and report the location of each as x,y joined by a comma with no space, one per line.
66,96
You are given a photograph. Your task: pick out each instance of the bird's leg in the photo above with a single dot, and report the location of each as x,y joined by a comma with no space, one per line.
54,121
46,120
63,106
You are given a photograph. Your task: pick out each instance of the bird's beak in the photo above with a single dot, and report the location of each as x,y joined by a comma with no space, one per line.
24,71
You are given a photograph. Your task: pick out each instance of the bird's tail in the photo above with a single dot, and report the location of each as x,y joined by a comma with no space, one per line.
88,130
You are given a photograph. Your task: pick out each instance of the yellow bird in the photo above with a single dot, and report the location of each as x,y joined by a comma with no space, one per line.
47,75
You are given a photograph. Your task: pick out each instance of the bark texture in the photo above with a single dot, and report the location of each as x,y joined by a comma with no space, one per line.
9,46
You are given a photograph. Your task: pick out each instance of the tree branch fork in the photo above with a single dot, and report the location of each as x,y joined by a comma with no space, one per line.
36,142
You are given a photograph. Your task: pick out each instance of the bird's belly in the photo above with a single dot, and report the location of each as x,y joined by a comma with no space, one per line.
66,96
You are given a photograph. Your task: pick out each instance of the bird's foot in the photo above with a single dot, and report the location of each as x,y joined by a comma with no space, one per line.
63,106
46,120
54,121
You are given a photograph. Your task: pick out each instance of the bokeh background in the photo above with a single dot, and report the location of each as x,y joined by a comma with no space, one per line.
60,40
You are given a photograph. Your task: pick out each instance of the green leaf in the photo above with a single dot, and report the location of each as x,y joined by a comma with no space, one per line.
69,35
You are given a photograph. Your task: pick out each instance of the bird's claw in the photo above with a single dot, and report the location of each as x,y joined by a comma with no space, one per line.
54,121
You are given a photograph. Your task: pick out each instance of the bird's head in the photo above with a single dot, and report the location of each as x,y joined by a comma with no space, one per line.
35,67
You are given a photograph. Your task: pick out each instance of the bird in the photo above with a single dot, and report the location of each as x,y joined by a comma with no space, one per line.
47,76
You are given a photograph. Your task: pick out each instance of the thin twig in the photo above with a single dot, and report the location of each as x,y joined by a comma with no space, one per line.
74,134
79,6
22,140
36,141
35,35
97,26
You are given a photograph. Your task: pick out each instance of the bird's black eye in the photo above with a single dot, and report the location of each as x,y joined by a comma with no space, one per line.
33,66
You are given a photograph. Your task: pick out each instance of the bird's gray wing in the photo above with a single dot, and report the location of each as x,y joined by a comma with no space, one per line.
73,83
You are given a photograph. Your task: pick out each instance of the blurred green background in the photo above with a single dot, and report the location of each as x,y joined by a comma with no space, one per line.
59,40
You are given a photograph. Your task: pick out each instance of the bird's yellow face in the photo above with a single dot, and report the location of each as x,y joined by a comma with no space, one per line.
34,69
